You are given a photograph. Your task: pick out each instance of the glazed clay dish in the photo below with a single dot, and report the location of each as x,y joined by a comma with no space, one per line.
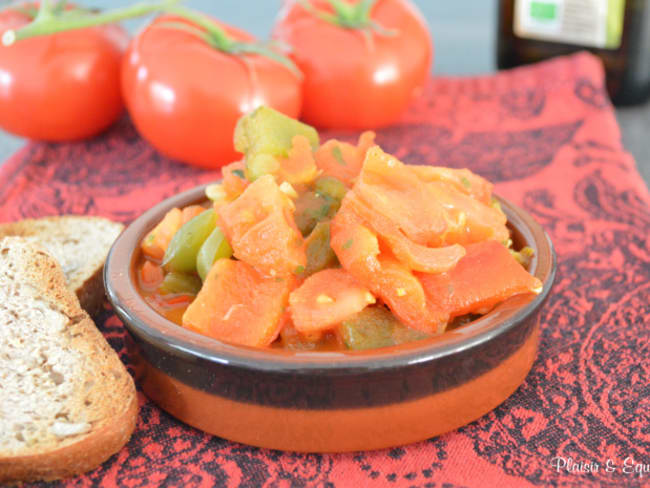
330,401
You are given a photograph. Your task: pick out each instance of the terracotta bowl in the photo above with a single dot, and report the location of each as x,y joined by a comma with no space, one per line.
329,401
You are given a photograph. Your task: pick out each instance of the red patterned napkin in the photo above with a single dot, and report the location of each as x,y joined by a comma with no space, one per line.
547,136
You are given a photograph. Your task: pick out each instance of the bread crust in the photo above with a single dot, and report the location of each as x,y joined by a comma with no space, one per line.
91,292
76,458
114,420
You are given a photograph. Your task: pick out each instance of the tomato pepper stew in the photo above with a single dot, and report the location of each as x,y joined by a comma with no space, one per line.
333,246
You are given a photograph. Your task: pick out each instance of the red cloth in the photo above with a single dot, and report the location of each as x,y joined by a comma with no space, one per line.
547,136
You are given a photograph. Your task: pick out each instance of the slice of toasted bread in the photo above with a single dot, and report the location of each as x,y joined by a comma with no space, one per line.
67,403
79,244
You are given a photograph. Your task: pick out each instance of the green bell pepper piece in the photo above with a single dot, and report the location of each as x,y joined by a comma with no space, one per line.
375,327
215,247
186,243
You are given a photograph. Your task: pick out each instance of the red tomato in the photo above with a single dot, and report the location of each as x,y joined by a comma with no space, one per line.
357,80
185,96
64,86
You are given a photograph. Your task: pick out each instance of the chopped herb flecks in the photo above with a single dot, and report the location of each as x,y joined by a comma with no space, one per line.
348,244
338,155
466,183
239,173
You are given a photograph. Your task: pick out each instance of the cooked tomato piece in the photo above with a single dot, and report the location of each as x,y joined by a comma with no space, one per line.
189,212
260,228
397,195
258,200
155,243
327,298
487,275
355,245
342,160
432,213
415,256
422,258
272,245
299,166
151,275
462,180
238,305
234,179
358,250
403,293
468,220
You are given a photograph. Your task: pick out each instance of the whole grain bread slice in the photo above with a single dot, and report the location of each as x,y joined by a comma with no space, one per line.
67,403
80,244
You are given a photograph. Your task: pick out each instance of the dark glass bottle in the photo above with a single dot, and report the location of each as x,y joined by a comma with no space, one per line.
618,31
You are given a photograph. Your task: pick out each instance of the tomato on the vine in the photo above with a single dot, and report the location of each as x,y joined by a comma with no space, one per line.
63,86
185,87
362,60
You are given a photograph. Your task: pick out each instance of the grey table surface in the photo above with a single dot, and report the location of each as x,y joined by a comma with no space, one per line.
464,35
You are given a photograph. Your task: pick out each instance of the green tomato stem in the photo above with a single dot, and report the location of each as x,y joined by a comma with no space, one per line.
191,29
366,5
326,16
46,23
267,51
346,12
44,10
221,40
50,20
60,6
346,15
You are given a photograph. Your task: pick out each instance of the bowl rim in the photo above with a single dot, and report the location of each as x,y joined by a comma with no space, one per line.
143,321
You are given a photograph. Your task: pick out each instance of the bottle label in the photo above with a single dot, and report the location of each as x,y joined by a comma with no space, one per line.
591,23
